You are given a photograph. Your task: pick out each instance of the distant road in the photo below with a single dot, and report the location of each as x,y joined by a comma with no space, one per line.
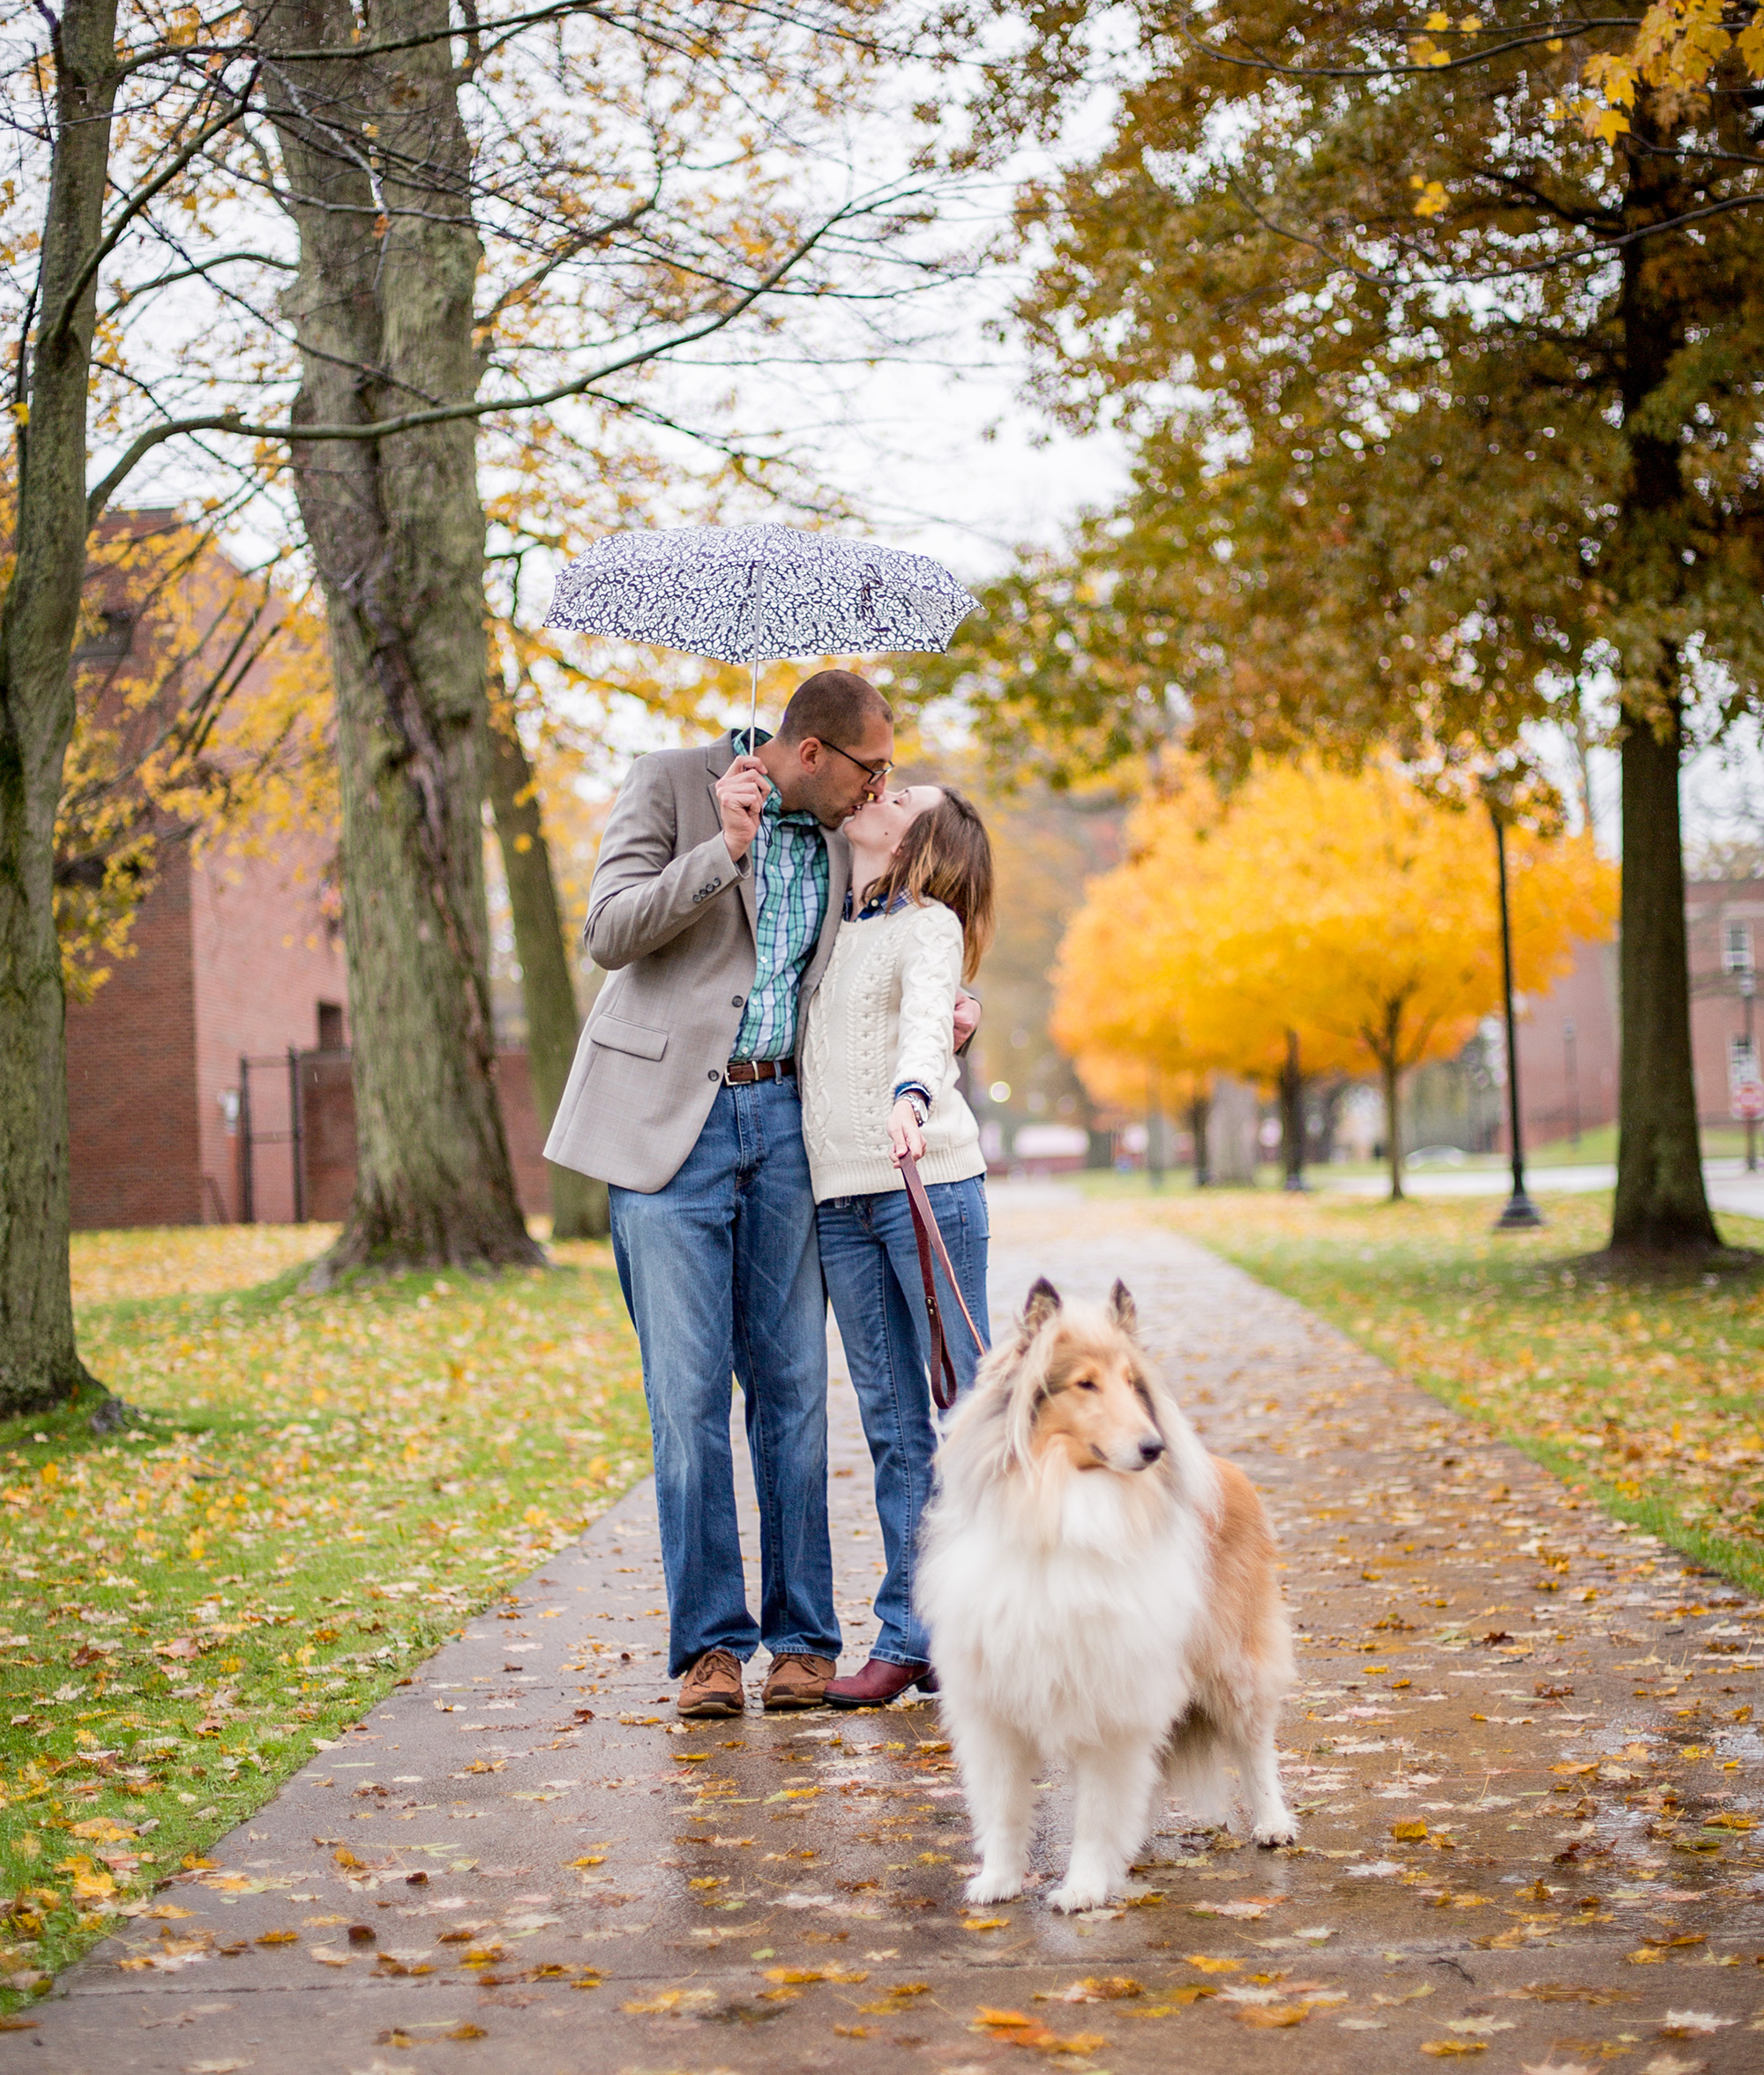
1730,1187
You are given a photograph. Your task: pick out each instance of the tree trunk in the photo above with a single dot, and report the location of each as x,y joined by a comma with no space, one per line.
378,167
578,1202
1292,1114
38,1361
1199,1113
1661,1204
1392,1077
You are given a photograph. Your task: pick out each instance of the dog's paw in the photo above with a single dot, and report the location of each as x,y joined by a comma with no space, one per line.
1276,1830
1071,1896
994,1887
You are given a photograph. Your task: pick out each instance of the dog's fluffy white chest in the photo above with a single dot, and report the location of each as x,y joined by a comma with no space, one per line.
1086,1639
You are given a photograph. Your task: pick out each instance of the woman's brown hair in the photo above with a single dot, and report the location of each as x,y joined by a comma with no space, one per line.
945,856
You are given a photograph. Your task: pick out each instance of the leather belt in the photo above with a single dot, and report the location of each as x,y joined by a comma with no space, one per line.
739,1072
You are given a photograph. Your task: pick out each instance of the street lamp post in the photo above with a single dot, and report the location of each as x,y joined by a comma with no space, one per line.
1748,988
1572,1077
1520,1211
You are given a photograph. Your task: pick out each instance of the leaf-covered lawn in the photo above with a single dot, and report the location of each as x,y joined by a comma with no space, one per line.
1651,1396
326,1487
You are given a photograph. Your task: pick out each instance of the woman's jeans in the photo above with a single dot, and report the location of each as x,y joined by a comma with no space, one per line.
720,1276
872,1264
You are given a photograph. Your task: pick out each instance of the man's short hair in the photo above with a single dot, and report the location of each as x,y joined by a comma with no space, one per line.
834,706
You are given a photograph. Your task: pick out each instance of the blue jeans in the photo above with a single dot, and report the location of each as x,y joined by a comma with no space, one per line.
871,1265
721,1277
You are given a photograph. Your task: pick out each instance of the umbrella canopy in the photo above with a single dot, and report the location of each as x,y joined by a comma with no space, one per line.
744,593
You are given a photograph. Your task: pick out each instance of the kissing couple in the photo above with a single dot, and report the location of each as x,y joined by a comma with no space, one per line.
786,940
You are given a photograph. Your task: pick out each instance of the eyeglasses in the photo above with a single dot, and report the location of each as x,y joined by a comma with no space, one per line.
874,773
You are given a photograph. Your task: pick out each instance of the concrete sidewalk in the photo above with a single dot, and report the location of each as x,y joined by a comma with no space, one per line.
1516,1728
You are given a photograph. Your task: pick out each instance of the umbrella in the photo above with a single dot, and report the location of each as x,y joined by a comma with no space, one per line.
742,593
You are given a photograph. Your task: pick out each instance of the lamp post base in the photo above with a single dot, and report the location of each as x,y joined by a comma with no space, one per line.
1520,1213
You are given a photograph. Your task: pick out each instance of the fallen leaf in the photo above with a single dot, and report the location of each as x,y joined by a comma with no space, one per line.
1692,2024
1209,1966
1666,2063
1273,2017
466,2030
1409,1834
1109,1989
215,2067
1444,2049
1478,2026
278,1937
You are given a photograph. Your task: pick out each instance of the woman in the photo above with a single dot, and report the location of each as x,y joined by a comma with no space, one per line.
879,1082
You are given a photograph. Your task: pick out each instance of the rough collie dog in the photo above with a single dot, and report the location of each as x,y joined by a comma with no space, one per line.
1097,1587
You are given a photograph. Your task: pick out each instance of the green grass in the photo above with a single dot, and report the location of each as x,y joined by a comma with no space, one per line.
1648,1396
326,1489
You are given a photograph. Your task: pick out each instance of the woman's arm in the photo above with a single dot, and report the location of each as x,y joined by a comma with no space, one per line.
930,979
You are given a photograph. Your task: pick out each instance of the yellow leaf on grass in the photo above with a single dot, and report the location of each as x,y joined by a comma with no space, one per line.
102,1830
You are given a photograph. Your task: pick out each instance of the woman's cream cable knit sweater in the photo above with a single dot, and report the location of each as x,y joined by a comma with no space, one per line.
883,1014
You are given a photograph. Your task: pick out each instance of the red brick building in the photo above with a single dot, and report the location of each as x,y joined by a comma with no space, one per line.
232,956
208,1075
1568,1039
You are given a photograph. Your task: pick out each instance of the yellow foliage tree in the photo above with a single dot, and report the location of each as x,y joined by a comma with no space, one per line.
1350,919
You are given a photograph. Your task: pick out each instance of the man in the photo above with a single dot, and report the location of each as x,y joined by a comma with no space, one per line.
718,892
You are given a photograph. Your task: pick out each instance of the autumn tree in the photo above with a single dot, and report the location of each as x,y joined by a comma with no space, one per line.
1351,918
1437,370
65,94
285,286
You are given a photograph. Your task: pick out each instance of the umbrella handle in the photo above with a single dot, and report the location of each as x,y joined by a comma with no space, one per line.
753,708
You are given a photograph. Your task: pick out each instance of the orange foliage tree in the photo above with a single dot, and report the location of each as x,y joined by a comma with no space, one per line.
1351,920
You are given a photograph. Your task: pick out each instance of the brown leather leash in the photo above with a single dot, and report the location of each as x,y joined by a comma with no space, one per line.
930,1240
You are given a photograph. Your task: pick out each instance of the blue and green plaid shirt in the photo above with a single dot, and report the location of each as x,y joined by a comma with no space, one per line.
791,884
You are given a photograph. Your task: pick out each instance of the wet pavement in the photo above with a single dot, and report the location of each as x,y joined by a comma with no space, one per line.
1524,1757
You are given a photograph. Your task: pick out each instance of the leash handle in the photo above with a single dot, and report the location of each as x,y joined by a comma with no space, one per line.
929,1241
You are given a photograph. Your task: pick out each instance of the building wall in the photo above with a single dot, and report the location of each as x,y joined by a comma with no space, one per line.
264,959
135,1146
1717,1007
1569,1052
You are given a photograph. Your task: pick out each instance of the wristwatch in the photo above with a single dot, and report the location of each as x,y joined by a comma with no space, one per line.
920,1113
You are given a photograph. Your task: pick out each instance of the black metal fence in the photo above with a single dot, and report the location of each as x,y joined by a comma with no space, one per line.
276,1096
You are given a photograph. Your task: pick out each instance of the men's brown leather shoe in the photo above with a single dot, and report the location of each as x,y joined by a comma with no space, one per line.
797,1681
880,1682
712,1686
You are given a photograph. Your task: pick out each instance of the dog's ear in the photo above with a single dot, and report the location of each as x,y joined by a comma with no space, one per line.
1122,1310
1043,1303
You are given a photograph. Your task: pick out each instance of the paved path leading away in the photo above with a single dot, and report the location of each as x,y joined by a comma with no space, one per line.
1523,1755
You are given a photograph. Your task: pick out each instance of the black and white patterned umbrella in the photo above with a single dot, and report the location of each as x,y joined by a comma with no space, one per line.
746,593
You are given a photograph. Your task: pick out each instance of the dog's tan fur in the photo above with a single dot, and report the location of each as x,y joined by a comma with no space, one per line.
1097,1584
